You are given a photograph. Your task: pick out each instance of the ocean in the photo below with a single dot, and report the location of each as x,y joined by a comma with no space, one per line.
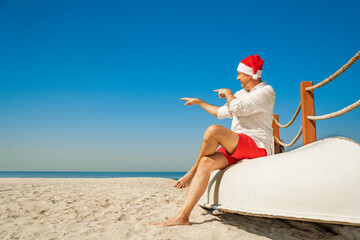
31,174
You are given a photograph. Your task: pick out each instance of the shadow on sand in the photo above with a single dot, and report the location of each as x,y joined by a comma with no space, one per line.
282,229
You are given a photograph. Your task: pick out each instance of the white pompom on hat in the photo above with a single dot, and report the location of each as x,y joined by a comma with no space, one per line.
252,65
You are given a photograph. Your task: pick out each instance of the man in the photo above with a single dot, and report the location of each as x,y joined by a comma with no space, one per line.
250,136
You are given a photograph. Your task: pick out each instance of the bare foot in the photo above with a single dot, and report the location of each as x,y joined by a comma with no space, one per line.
176,221
185,180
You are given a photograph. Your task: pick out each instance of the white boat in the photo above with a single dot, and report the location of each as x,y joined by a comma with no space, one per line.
319,182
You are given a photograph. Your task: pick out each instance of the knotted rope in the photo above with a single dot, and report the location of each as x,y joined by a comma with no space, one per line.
292,142
291,121
337,73
336,114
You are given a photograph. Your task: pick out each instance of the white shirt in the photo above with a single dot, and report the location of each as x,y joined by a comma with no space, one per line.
252,114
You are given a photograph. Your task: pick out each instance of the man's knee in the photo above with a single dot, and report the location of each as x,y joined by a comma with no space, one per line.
206,163
212,131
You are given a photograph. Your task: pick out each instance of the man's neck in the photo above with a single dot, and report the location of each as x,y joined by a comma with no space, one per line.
253,84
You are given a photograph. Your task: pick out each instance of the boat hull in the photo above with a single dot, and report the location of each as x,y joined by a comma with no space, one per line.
318,182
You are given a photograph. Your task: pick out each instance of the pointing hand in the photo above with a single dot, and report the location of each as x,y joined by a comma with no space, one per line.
223,92
190,101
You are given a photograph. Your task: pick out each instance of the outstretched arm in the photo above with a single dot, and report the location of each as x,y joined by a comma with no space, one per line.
212,109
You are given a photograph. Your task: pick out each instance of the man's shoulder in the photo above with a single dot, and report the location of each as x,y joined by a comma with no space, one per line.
269,88
264,92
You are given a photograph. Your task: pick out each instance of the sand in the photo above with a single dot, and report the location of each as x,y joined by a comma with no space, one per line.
124,208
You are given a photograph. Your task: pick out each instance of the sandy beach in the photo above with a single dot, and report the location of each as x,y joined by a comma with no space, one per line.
124,208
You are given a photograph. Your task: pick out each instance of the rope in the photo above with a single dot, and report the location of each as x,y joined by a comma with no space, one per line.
291,121
292,142
337,73
336,114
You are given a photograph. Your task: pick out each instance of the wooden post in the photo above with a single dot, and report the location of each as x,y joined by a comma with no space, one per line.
307,109
276,133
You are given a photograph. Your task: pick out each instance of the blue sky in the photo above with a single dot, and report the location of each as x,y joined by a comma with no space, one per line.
95,85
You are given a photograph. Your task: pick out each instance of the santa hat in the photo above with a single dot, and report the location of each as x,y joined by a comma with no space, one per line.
252,65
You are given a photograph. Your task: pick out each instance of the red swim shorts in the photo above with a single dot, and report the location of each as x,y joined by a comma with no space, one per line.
246,148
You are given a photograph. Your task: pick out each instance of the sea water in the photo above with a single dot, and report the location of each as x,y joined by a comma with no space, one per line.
31,174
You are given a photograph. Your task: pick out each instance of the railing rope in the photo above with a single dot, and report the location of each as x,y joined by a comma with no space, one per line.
336,114
292,142
291,121
337,73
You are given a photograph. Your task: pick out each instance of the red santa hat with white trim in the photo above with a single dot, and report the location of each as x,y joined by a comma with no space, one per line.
252,65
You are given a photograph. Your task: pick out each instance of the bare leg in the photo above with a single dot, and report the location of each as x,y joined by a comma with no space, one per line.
203,167
213,136
198,187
